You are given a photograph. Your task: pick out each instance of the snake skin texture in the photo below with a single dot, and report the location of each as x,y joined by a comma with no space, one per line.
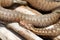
54,0
53,32
7,3
57,38
27,10
41,21
44,5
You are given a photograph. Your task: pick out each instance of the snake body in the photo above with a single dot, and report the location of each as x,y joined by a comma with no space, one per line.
53,32
7,3
44,5
44,20
27,10
57,38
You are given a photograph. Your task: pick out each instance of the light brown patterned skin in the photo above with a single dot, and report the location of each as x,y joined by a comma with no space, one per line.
27,10
57,38
54,0
7,3
53,32
14,16
44,5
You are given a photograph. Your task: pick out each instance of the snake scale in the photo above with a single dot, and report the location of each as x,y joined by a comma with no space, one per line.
44,20
53,32
44,5
57,38
27,10
7,3
41,21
